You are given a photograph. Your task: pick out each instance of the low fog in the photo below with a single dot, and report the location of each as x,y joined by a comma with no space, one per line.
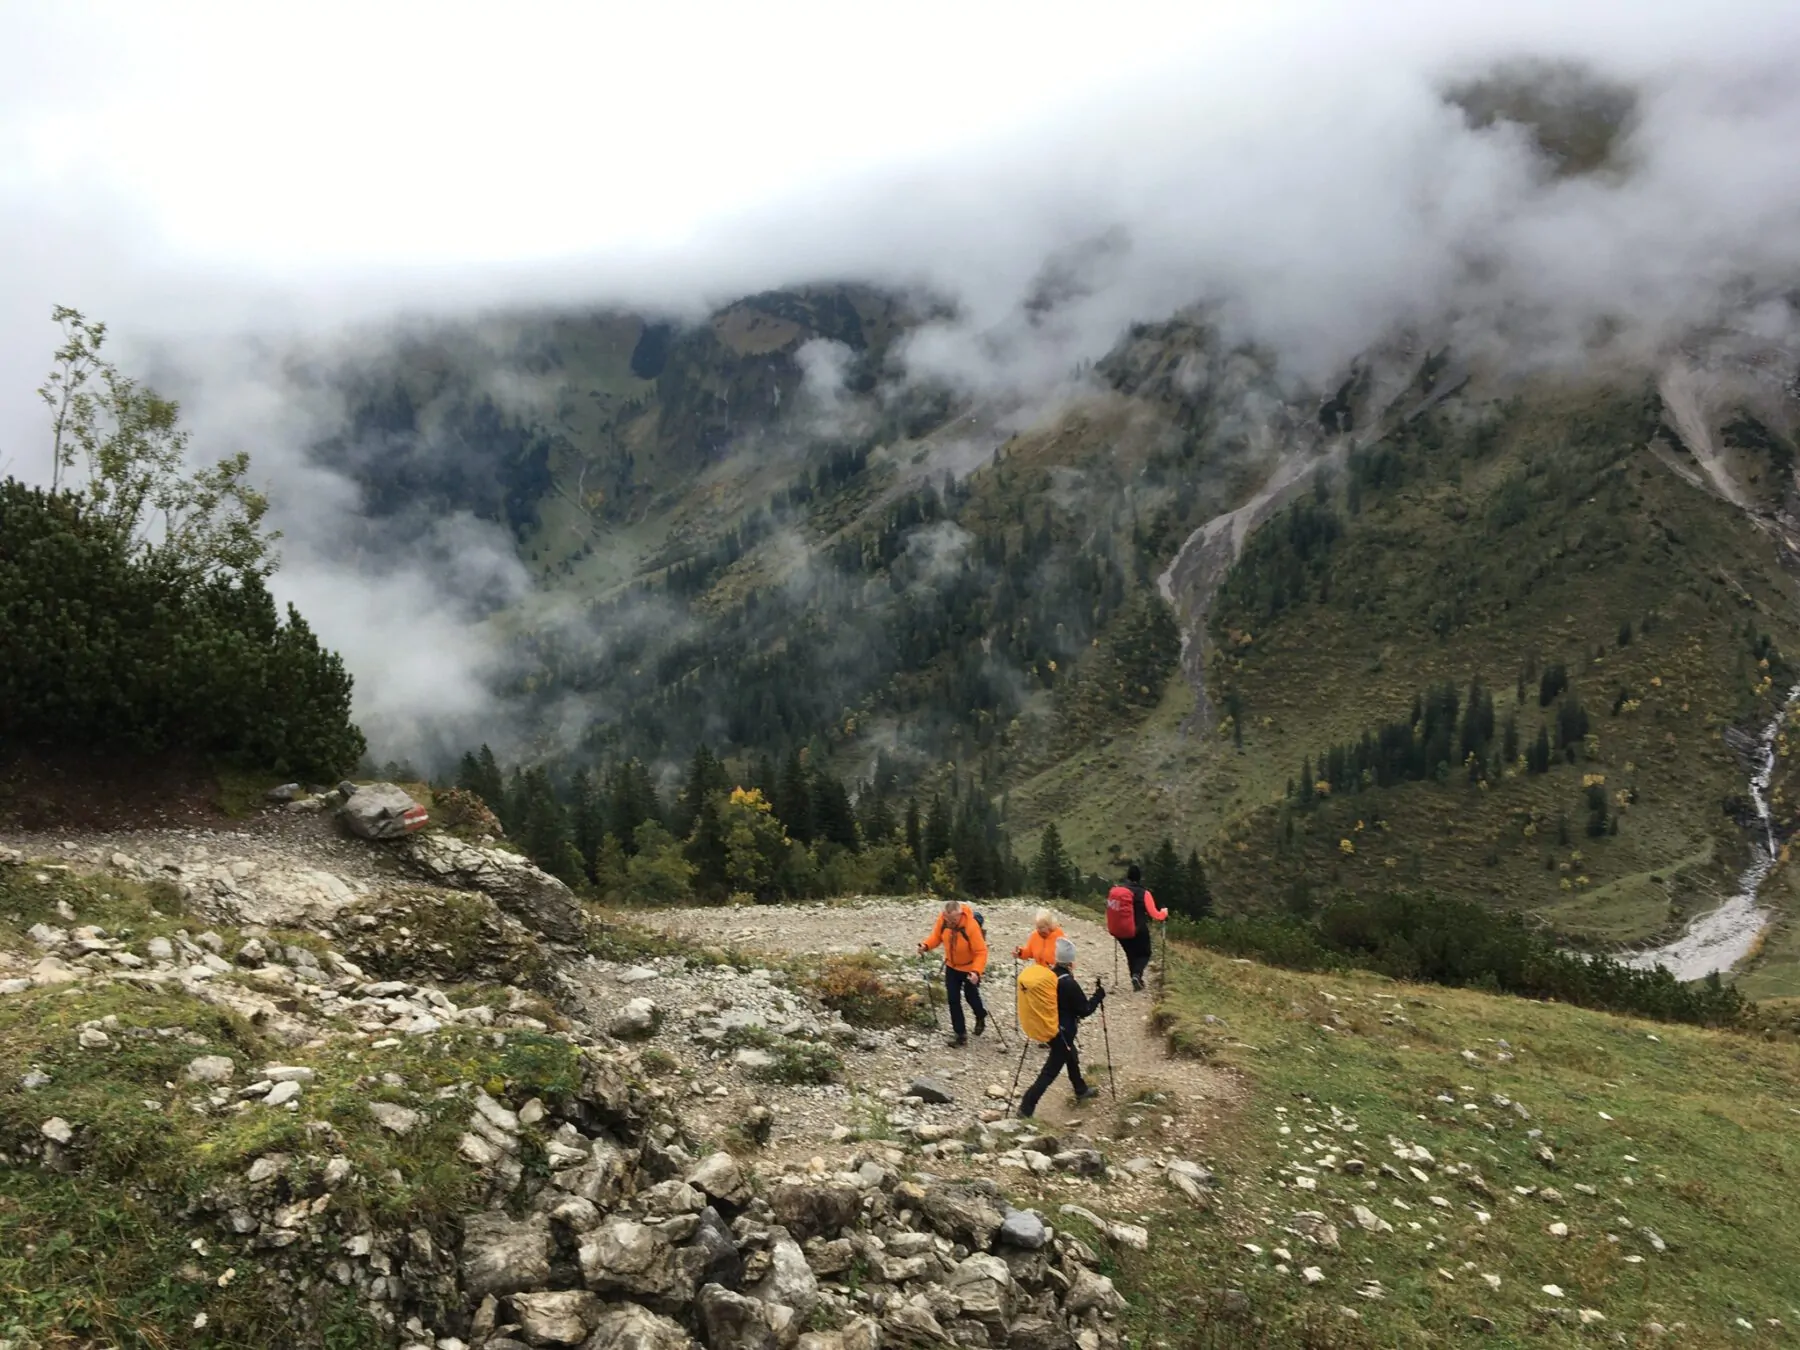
227,189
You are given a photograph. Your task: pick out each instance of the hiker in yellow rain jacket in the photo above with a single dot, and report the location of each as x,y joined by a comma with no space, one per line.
965,957
1041,945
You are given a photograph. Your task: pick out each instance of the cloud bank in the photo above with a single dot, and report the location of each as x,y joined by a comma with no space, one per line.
225,191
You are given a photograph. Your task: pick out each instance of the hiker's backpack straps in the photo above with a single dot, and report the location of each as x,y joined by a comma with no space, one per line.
1038,1018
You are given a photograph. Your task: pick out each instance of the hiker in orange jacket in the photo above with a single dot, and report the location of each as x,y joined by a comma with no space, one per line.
965,957
1041,945
1128,911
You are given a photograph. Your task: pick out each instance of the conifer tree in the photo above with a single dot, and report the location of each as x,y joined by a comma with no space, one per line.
588,817
833,818
937,831
1162,874
1051,869
1198,893
545,833
707,850
793,799
706,776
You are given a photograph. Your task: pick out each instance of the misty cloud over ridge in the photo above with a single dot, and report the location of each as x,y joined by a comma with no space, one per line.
1300,172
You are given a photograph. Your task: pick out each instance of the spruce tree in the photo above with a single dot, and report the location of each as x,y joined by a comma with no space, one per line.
486,782
793,799
1198,893
915,838
707,849
937,831
1162,875
834,820
706,776
588,817
1051,869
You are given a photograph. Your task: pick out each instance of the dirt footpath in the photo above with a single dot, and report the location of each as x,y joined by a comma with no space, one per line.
1140,1061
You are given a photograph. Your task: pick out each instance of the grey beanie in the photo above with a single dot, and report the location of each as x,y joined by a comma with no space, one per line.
1065,951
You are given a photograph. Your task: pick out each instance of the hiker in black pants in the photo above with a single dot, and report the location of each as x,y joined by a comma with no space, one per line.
1129,909
1071,1006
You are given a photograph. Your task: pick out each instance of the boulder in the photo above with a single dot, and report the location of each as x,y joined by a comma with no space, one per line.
1089,1290
637,1260
393,1118
603,1177
964,1215
626,1326
556,1316
1033,1332
209,1069
861,1333
530,895
724,1265
382,811
502,1255
670,1197
830,1258
790,1281
1312,1225
730,1321
637,1019
719,1175
930,1088
1024,1230
983,1288
819,1208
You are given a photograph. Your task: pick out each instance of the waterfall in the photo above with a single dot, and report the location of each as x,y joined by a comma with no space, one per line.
1718,940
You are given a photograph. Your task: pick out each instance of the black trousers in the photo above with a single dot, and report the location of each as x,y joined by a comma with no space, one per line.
1062,1054
1137,952
958,986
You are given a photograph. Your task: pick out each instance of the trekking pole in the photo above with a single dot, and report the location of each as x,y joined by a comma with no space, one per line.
1111,1079
1014,1090
1017,1025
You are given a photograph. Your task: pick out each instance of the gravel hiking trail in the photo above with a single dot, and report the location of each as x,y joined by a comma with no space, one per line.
1141,1062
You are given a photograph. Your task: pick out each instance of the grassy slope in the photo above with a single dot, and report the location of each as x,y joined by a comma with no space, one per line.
102,1255
1619,537
1702,1147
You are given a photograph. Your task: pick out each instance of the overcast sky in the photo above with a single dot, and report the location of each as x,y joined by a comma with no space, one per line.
190,171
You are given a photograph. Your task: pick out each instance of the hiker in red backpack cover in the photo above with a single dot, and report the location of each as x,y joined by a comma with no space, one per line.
1129,910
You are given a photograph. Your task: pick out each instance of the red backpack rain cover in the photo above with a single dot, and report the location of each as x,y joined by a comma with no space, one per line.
1121,912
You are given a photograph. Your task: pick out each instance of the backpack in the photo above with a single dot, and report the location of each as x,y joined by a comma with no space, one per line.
980,920
1038,1017
1121,911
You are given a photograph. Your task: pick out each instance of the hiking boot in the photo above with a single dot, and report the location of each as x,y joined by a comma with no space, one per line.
980,1023
956,1041
1087,1094
1137,983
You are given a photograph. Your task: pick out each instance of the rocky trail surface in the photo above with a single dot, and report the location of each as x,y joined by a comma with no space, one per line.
1139,1060
662,1136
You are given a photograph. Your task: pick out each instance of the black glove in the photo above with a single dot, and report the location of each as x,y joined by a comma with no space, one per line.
1099,992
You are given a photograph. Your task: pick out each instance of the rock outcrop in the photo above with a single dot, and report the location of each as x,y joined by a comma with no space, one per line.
531,895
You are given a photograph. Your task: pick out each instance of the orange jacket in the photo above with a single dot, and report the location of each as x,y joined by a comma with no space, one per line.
964,946
1040,947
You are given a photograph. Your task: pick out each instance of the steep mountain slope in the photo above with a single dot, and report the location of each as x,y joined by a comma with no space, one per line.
774,542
